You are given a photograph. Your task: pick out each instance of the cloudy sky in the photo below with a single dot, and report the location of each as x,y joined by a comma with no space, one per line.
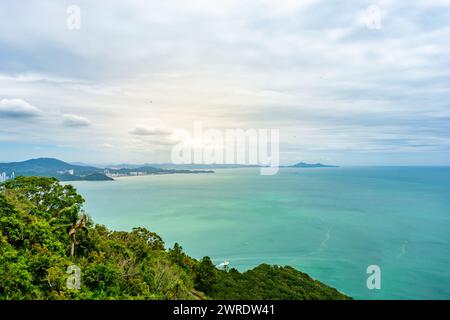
348,82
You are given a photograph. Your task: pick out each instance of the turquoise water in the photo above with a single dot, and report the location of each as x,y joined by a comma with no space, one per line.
331,223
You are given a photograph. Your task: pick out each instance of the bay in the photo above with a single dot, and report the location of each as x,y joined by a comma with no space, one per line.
331,223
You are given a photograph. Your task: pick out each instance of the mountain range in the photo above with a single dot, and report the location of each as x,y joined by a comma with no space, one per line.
63,171
195,166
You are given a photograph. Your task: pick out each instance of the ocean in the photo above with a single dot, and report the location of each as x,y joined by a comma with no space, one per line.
331,223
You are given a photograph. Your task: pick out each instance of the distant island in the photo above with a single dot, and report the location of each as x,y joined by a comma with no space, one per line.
310,165
63,171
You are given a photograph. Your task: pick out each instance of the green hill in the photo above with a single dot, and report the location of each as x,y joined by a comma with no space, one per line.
311,165
49,167
63,171
42,223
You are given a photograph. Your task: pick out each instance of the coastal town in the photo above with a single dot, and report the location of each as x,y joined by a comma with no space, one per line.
4,177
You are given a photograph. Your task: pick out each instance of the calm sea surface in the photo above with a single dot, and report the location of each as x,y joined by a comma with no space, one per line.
331,222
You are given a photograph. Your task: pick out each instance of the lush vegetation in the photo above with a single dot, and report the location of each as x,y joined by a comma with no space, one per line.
49,167
43,231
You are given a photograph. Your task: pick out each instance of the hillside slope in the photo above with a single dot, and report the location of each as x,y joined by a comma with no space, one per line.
49,167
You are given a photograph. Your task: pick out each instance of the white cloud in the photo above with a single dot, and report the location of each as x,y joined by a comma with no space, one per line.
17,108
291,65
141,130
72,120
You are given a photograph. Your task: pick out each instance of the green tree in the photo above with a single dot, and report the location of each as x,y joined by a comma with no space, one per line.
176,254
206,275
47,195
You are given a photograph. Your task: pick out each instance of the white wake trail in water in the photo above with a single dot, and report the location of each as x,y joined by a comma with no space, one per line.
403,249
323,244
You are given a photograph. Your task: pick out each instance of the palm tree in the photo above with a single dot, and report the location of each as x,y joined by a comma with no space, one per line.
77,226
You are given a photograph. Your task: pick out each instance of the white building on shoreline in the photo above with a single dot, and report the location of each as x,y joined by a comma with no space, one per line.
4,177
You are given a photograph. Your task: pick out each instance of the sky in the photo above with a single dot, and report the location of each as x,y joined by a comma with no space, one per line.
348,82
